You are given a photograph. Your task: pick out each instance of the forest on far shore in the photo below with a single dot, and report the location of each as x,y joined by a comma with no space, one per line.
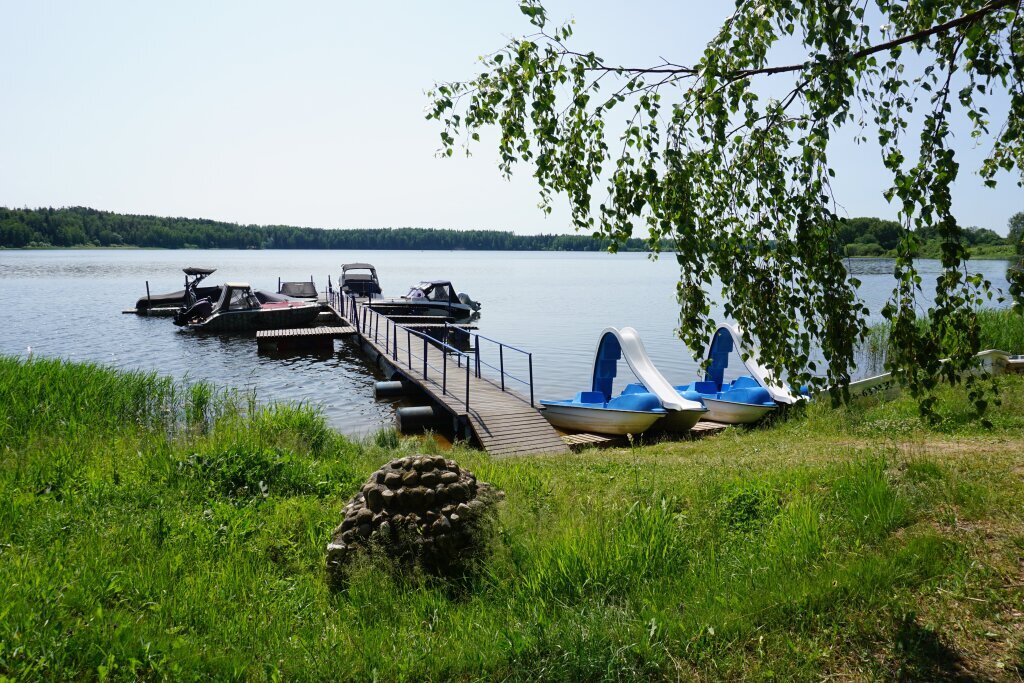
85,227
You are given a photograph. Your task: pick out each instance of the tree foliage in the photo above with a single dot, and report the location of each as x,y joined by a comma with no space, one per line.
741,183
1015,235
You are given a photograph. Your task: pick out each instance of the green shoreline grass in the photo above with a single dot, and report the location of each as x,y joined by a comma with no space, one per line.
150,530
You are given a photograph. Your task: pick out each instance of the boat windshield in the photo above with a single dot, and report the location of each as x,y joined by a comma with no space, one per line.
242,300
440,292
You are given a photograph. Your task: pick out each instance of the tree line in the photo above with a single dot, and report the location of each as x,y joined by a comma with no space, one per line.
878,237
83,227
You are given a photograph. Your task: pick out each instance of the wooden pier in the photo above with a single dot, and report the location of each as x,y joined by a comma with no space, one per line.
502,422
281,340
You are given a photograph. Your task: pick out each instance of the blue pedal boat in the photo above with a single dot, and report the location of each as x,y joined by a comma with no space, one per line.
742,401
638,408
747,398
590,411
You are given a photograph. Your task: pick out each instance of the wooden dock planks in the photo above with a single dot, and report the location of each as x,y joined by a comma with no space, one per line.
503,422
277,339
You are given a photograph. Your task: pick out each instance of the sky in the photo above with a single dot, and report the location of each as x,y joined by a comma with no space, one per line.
312,113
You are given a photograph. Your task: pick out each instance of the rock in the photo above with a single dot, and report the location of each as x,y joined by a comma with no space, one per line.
424,509
375,499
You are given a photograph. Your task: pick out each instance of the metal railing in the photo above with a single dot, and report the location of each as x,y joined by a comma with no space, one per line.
369,323
479,363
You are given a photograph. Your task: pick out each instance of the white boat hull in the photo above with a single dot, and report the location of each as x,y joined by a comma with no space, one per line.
729,412
599,420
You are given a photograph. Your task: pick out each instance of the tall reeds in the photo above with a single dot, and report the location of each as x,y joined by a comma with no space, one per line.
1000,328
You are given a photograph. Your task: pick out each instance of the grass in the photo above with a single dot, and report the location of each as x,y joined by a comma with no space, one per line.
149,530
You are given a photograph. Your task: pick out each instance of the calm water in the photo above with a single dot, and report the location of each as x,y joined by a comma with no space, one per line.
69,303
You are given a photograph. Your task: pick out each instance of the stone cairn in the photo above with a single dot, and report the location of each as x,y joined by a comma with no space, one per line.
421,508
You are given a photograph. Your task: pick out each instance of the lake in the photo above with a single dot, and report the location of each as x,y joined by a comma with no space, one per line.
554,304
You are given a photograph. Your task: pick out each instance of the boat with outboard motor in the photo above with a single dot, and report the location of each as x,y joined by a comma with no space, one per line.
638,408
239,310
431,297
149,304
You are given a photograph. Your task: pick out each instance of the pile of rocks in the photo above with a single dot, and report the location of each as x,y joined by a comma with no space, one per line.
421,508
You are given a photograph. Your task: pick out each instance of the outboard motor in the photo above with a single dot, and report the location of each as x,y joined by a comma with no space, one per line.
464,298
199,310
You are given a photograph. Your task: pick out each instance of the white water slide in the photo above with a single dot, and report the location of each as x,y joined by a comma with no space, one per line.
720,341
626,344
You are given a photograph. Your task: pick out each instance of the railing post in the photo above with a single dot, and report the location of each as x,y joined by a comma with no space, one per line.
444,372
476,351
467,386
394,346
529,356
408,345
501,364
424,356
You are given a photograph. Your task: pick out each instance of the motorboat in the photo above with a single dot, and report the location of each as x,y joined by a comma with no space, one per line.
172,301
638,408
590,411
433,298
360,280
747,398
300,289
239,310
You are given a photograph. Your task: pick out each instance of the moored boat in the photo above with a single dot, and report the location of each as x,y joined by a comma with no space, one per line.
360,280
239,310
299,289
638,408
743,401
431,297
747,398
171,301
588,411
